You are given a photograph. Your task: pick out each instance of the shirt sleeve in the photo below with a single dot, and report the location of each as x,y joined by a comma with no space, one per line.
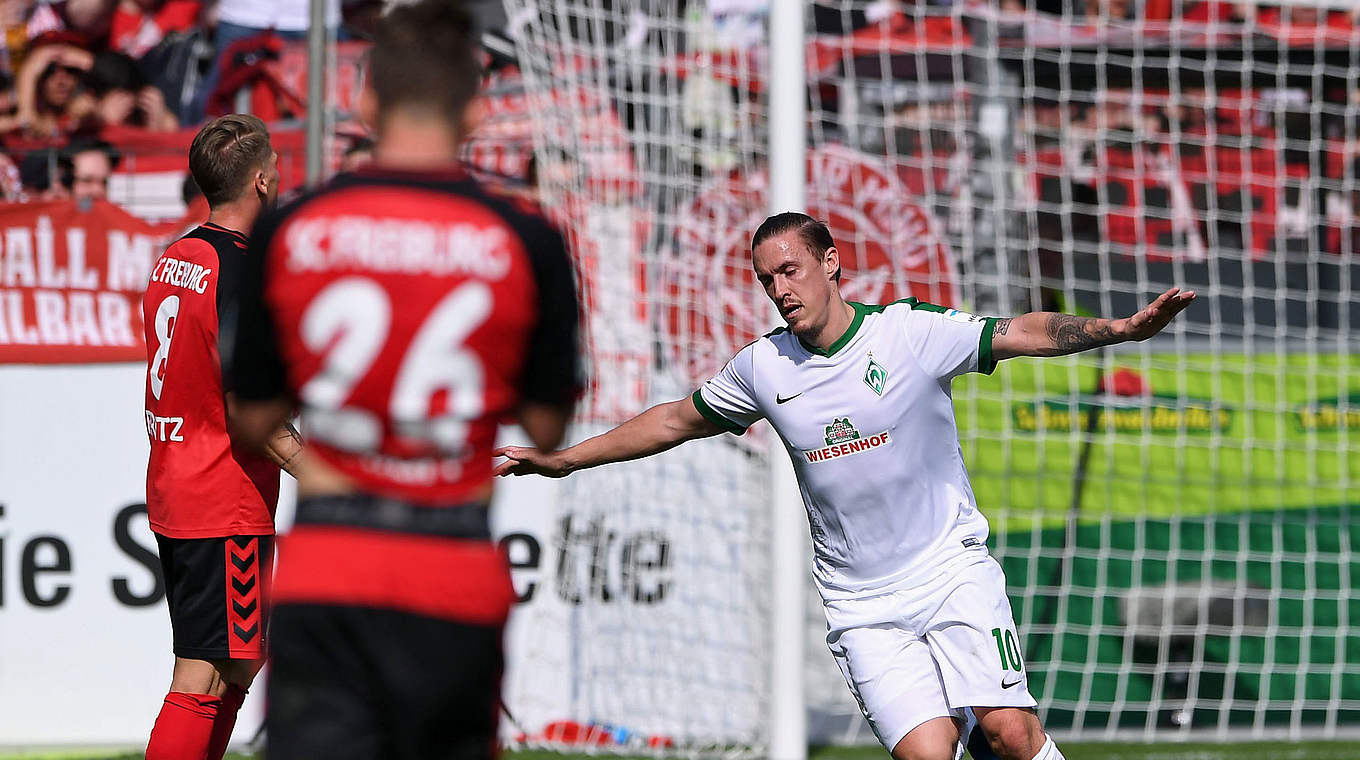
728,400
229,267
949,342
253,367
552,368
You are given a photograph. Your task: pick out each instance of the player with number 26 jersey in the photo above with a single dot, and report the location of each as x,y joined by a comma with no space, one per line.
408,312
414,312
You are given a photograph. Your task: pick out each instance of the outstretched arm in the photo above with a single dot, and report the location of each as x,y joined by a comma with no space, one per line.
1044,333
662,427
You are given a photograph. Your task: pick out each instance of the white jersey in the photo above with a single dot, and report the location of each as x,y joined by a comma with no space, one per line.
869,424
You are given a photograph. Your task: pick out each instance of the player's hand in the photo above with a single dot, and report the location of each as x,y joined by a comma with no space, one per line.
1156,315
530,461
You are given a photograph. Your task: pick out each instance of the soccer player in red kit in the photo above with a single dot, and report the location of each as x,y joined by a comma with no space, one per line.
211,504
407,311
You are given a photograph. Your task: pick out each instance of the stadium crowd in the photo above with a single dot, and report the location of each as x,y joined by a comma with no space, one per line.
85,84
84,78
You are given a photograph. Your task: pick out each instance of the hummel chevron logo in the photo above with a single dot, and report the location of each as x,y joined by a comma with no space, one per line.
243,587
1005,685
246,634
778,399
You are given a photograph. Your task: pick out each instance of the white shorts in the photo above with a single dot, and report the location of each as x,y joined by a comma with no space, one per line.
929,651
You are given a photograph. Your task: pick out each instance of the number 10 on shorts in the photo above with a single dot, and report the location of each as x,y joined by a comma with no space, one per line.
1007,648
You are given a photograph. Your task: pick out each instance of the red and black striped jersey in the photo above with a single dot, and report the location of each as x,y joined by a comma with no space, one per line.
408,314
197,484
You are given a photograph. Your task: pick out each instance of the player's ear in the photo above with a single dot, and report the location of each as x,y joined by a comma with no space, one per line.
368,107
831,262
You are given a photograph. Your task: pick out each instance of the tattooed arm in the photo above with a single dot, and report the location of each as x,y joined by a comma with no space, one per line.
284,446
1044,333
265,428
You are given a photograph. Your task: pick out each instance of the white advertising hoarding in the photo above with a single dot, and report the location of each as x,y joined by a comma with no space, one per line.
639,584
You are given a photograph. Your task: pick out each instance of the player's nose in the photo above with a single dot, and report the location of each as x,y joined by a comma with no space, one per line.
780,289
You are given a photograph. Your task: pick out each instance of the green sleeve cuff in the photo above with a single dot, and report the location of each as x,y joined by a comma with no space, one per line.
986,361
712,416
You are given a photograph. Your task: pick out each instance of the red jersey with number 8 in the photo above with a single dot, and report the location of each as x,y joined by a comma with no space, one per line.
197,484
413,313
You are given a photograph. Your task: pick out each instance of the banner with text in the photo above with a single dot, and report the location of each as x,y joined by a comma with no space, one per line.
71,280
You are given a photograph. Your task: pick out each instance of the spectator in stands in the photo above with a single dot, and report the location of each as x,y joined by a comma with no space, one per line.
1295,125
140,25
13,33
50,90
1110,10
846,18
123,98
9,104
1343,216
526,187
1187,114
180,60
1301,25
242,19
1219,12
1123,120
1289,16
86,18
287,18
40,175
1049,119
92,163
11,183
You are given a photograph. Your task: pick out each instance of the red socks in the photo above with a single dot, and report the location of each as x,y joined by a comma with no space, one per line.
184,727
225,722
194,726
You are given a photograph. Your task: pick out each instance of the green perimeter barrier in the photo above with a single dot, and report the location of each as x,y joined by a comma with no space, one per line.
1205,575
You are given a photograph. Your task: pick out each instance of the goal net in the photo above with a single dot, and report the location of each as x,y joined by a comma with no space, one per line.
1174,517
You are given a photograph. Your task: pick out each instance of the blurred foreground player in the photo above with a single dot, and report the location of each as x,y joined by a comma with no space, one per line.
408,311
211,505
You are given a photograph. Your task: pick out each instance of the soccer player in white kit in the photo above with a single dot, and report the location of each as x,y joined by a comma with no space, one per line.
917,614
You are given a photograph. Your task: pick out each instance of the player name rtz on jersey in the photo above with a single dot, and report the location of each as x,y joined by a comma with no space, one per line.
182,274
400,246
164,428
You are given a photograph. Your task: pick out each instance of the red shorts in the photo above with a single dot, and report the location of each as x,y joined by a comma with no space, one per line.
217,589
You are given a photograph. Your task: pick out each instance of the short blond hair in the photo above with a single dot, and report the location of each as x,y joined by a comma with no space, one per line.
225,153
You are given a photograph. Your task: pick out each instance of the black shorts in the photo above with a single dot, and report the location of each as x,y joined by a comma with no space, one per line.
217,591
354,683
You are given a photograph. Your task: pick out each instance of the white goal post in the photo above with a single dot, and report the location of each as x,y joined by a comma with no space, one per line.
787,126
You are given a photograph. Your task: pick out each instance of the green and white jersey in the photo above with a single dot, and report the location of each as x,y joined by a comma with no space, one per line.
869,424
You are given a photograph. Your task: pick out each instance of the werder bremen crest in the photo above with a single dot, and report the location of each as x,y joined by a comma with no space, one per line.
840,431
875,376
